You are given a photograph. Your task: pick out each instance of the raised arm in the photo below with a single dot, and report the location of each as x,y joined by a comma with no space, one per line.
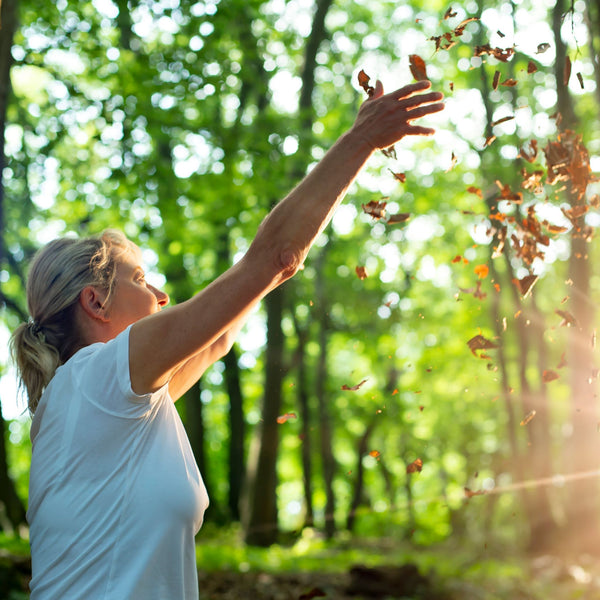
161,344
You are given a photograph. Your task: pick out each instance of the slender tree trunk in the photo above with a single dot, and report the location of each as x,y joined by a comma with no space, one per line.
305,421
262,525
325,428
359,488
8,25
237,427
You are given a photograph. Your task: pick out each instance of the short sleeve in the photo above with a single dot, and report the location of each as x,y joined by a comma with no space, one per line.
102,374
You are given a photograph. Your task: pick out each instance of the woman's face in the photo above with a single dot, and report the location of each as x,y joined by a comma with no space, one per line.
133,297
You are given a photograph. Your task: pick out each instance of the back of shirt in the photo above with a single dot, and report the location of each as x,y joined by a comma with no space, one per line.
115,496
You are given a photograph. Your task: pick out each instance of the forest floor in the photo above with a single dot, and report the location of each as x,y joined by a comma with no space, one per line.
441,574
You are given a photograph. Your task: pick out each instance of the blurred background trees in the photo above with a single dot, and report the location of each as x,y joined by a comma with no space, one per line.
468,342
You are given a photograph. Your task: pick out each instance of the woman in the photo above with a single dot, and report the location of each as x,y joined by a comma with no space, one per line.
115,494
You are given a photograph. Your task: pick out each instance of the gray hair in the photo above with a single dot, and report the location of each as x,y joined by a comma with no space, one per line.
57,275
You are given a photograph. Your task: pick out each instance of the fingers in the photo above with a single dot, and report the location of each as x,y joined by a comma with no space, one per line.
420,99
378,90
409,90
421,111
417,130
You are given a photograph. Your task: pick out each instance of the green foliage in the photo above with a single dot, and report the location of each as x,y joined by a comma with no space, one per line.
178,122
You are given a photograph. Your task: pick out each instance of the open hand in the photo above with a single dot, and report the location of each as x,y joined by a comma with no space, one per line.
384,119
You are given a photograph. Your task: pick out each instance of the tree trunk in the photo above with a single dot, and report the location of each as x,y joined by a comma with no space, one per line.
305,421
358,495
15,511
323,398
237,427
262,525
194,426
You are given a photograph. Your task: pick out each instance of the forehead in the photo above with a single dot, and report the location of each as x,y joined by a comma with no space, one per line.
128,258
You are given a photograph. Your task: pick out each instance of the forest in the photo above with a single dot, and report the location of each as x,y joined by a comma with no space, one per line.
415,414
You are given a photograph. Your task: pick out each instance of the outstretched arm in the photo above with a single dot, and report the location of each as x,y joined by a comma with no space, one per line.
161,344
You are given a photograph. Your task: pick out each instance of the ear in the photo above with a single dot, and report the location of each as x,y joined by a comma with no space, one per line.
92,300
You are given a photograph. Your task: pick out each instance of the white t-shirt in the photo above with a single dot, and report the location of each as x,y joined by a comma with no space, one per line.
115,495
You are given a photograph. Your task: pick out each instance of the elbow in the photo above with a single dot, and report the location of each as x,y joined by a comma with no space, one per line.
288,262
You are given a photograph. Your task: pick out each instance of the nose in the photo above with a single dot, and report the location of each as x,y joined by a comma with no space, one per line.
161,297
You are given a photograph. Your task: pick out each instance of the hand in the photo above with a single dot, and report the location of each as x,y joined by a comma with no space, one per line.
383,120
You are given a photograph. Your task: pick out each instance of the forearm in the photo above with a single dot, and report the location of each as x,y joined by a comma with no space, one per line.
192,369
289,230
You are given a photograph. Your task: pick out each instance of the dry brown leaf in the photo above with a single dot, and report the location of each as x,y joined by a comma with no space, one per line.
526,284
361,272
479,342
415,467
567,71
417,67
283,418
502,120
353,388
375,209
363,81
496,80
549,375
527,418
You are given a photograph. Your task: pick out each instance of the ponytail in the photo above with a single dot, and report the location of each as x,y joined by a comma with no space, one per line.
36,360
58,274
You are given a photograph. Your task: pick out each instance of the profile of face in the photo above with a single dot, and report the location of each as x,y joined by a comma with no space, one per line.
132,298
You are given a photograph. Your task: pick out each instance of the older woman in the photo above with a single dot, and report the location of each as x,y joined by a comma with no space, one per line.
115,494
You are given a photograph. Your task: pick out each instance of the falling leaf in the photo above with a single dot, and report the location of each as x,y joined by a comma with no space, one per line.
529,156
401,177
375,453
531,67
501,54
479,342
562,362
283,418
527,418
363,81
417,67
580,79
496,80
451,86
476,291
375,209
568,319
500,33
502,120
567,71
542,48
449,13
353,388
525,284
398,218
549,375
458,258
481,271
475,190
469,493
361,272
453,160
489,140
389,152
415,466
509,82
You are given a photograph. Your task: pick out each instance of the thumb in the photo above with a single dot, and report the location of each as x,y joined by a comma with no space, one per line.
378,89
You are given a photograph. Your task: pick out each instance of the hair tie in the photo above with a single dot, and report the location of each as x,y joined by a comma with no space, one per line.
36,330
